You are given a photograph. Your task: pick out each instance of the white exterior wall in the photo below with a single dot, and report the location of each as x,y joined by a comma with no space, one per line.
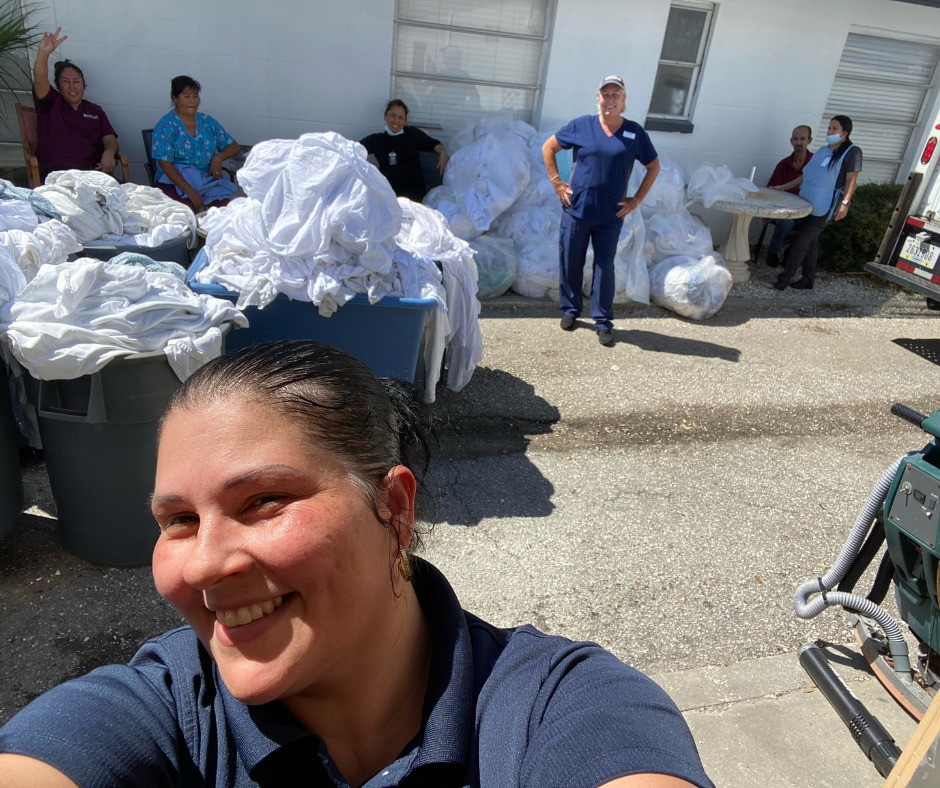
268,70
285,67
769,67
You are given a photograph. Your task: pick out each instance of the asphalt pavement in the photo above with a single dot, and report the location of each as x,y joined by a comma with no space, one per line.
664,497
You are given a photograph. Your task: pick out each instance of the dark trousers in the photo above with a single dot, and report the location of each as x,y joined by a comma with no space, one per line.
573,242
804,250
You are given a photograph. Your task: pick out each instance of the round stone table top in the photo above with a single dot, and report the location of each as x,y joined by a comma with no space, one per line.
768,204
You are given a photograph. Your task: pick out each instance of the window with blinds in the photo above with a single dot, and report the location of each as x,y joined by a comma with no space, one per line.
883,85
455,62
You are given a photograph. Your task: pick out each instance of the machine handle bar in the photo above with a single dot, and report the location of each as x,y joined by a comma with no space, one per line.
908,414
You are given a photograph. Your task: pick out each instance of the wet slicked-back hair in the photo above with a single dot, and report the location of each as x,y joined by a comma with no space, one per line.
340,407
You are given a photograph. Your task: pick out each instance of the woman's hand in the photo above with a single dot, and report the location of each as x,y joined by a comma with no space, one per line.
841,212
107,163
215,167
563,190
196,199
628,206
50,42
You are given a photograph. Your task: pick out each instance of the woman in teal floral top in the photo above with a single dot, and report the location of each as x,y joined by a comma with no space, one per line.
189,148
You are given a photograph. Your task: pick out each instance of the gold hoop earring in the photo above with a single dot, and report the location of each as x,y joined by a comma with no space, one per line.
404,565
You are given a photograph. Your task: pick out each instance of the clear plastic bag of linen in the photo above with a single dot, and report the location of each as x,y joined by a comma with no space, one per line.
631,275
708,184
692,287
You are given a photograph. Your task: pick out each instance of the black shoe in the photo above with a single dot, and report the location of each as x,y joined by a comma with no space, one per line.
605,337
778,285
773,260
802,284
568,322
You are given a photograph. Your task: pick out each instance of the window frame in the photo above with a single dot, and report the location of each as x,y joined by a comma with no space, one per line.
536,89
659,121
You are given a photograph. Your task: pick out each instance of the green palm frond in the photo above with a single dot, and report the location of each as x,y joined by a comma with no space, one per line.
16,36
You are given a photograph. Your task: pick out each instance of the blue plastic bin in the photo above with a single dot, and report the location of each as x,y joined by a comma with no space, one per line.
385,336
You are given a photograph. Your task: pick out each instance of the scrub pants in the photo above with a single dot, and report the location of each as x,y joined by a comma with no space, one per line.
804,250
574,237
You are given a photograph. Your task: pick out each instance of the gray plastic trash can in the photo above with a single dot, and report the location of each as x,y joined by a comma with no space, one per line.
99,436
11,480
173,251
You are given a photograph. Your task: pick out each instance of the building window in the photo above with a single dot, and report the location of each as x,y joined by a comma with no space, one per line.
454,62
680,66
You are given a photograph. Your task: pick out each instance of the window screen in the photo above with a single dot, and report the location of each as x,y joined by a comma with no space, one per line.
454,63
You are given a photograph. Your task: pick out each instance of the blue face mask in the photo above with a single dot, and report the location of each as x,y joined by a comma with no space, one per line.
832,139
393,133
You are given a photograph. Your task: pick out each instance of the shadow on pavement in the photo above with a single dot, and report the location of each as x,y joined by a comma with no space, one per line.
480,468
662,343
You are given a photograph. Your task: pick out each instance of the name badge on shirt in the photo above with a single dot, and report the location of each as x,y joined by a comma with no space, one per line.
629,135
92,117
825,161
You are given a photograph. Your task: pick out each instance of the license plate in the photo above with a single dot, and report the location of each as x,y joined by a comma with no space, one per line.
923,255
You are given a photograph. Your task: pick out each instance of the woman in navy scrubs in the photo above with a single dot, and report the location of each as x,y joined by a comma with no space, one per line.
595,202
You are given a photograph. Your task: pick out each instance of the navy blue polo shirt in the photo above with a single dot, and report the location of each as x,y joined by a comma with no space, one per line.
602,164
504,707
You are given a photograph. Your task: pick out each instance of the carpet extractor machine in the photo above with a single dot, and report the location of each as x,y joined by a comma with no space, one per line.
903,513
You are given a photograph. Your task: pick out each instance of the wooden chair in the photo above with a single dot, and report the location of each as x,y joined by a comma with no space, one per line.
26,116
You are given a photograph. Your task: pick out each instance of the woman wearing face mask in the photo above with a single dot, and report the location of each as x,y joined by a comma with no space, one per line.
396,148
828,181
189,148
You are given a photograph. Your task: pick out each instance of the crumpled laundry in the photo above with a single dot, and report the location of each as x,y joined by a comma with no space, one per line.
49,243
12,279
39,204
98,208
211,189
17,215
709,184
321,224
73,318
318,224
454,329
135,258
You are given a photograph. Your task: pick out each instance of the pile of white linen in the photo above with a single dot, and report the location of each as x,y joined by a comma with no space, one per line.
73,318
51,242
318,224
98,208
424,233
321,224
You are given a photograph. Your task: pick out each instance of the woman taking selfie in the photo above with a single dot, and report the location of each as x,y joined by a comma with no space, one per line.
319,649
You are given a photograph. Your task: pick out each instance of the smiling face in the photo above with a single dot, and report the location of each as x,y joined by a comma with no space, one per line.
273,557
395,119
187,102
611,100
71,86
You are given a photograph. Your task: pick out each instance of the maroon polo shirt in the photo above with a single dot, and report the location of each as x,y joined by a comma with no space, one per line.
69,139
786,171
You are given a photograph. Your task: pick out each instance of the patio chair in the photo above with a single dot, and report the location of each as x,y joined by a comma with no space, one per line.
26,117
230,165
